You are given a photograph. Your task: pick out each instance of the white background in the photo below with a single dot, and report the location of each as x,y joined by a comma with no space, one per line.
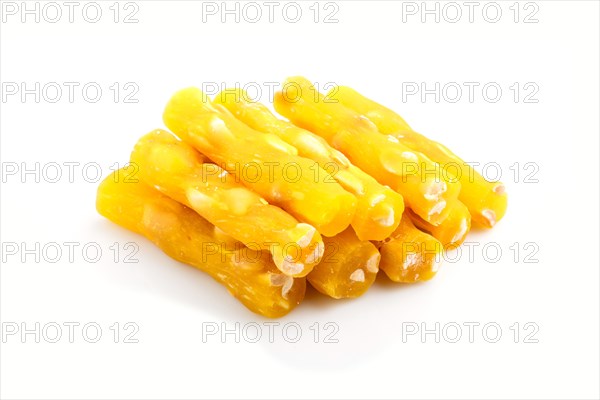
371,49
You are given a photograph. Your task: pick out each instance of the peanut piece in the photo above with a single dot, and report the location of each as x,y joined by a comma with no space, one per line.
453,230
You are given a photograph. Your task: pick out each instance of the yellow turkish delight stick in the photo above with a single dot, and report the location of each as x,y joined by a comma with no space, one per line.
486,201
379,208
414,176
410,255
349,266
453,230
248,275
179,171
263,162
386,120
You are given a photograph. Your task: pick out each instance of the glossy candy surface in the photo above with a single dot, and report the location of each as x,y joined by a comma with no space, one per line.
182,234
